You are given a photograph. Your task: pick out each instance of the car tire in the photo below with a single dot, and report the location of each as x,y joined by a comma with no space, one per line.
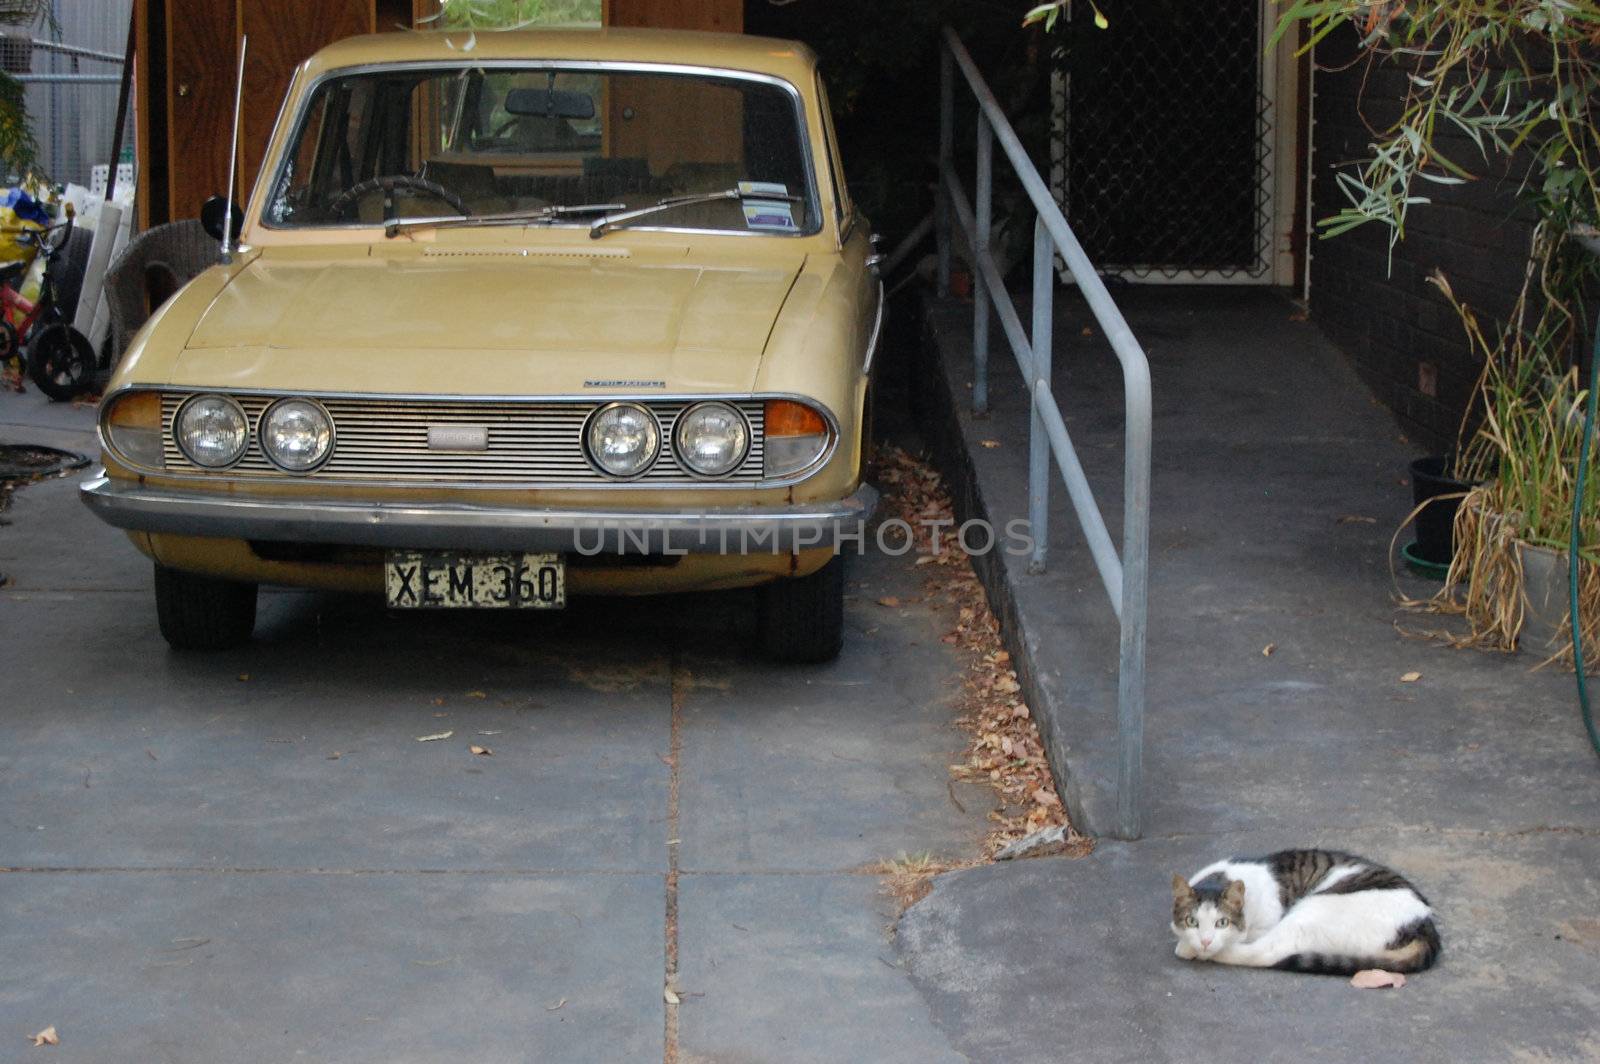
202,612
802,619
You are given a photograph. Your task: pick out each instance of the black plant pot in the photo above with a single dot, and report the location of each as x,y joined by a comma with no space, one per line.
1436,521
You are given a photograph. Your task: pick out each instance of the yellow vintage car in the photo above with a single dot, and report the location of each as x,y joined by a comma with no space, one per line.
514,316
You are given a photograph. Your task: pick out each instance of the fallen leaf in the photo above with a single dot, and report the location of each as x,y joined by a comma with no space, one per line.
1300,315
476,694
243,676
557,1005
989,445
1411,677
438,701
1086,330
1355,519
46,1037
334,756
1267,650
495,732
434,738
481,751
670,996
1376,979
889,601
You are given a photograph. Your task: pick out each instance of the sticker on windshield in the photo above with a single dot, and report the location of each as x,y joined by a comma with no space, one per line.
776,215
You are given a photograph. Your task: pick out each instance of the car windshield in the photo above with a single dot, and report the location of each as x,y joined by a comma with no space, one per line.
411,142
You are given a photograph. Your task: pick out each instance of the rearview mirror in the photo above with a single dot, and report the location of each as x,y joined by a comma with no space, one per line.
212,213
549,103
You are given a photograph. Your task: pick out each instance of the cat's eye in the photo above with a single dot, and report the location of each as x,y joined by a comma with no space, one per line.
1191,922
1222,921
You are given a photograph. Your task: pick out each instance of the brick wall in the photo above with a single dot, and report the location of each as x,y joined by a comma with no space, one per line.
1401,334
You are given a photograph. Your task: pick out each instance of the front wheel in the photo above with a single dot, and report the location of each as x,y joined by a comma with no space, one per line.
60,361
802,619
202,612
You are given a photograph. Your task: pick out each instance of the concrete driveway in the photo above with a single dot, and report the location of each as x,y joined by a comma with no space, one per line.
250,856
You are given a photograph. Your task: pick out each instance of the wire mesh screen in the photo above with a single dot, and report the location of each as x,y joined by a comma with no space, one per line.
70,66
1162,137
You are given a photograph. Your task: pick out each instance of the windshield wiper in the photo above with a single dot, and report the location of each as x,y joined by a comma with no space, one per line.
602,226
456,221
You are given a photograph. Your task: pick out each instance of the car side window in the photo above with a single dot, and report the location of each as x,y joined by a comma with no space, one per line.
841,195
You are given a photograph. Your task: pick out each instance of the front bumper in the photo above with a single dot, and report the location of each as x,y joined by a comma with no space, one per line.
460,526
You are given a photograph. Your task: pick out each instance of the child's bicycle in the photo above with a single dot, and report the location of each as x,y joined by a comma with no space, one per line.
59,357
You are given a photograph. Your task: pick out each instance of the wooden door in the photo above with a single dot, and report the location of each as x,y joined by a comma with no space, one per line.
281,38
201,57
681,114
723,16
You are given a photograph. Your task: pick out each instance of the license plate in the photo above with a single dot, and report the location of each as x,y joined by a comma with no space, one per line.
446,580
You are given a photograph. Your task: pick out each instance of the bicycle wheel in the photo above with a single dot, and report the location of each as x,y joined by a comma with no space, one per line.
60,361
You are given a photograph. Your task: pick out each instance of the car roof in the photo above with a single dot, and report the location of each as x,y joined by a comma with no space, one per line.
789,60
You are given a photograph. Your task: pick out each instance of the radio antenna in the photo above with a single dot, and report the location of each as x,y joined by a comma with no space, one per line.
233,154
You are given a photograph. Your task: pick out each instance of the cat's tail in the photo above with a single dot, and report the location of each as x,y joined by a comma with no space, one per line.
1415,949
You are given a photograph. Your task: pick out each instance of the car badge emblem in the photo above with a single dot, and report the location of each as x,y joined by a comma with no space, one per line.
458,437
624,383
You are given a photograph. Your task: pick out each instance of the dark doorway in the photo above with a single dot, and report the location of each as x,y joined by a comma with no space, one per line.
1161,137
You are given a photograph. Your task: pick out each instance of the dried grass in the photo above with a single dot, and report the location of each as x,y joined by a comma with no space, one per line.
908,878
1488,588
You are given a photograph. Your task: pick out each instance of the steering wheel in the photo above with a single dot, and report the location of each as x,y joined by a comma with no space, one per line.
387,184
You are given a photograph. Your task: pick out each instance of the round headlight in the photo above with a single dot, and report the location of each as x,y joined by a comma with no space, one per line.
296,435
711,438
623,439
212,431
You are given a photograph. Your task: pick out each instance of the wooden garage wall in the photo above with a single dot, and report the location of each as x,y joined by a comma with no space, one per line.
188,52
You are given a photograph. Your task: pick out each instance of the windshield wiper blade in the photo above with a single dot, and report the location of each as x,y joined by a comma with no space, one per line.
538,214
602,226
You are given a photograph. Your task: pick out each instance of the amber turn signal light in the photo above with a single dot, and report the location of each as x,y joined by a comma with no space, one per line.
132,424
788,418
796,438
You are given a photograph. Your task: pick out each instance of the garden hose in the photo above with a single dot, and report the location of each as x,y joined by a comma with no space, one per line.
1572,549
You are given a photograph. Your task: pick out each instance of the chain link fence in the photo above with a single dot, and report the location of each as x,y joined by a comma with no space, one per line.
1162,138
70,64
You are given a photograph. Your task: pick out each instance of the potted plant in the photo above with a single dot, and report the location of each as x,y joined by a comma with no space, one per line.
1513,527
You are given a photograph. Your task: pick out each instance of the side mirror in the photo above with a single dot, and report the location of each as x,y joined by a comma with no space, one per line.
211,214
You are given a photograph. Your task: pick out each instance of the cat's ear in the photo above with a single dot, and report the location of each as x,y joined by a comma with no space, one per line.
1233,893
1180,887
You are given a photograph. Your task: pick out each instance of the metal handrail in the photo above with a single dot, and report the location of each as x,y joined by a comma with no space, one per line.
1125,576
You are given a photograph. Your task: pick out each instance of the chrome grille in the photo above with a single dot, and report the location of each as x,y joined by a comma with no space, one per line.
529,441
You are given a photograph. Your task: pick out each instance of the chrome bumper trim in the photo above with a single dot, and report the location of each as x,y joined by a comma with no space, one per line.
460,526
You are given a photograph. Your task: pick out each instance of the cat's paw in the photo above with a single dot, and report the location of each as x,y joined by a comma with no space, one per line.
1185,952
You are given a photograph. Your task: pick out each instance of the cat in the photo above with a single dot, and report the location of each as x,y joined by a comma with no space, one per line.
1304,910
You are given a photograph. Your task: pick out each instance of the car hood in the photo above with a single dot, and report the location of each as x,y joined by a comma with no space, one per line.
459,321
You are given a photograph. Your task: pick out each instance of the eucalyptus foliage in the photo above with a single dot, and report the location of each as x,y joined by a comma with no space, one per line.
1513,77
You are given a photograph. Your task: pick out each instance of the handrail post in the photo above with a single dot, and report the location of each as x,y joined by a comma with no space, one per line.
1135,601
947,121
980,290
1043,336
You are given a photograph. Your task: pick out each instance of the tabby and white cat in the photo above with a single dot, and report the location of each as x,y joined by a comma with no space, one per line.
1304,910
